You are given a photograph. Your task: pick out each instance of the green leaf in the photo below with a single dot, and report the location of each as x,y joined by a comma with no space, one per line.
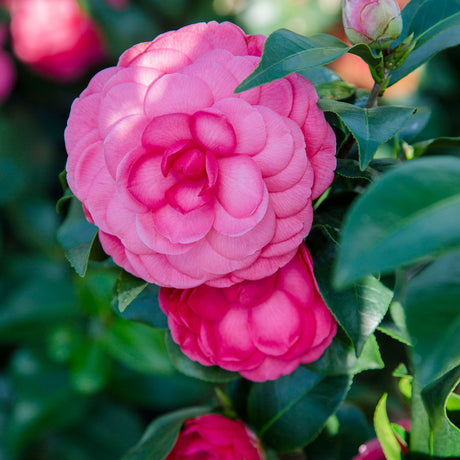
411,213
194,369
436,26
77,236
385,434
144,308
370,127
128,288
423,147
288,413
433,318
161,435
445,436
358,309
138,346
286,52
340,358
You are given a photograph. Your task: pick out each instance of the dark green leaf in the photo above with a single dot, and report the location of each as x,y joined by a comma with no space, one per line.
433,318
340,358
350,168
358,309
64,200
138,346
415,124
445,437
195,369
423,147
412,212
370,127
286,52
385,434
319,75
128,288
162,433
77,236
435,26
145,308
290,412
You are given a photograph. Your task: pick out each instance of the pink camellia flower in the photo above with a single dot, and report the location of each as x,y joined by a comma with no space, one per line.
372,450
217,437
188,182
55,37
262,329
375,22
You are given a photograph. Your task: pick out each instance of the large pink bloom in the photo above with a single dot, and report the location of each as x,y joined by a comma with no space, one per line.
188,182
262,329
55,37
215,437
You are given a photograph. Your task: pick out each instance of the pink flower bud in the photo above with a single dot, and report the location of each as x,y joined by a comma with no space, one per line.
215,436
262,329
375,22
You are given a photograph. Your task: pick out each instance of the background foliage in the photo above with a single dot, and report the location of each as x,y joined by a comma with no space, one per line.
81,376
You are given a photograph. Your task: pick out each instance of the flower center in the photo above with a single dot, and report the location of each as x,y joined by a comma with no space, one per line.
185,160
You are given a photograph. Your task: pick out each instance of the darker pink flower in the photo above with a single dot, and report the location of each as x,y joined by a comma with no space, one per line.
188,182
372,450
215,437
55,37
262,329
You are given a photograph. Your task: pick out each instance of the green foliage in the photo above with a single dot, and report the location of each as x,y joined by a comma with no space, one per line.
161,434
290,412
370,127
286,52
385,434
411,213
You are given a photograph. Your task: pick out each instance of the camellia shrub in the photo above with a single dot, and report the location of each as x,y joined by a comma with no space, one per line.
286,217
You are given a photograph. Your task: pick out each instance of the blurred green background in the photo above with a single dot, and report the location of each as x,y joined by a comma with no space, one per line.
77,381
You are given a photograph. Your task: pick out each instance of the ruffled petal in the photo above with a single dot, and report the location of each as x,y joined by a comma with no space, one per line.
120,102
177,93
277,96
124,136
240,188
166,130
163,60
183,228
275,324
247,123
293,200
212,132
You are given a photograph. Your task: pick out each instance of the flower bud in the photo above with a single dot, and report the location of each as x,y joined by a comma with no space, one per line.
374,22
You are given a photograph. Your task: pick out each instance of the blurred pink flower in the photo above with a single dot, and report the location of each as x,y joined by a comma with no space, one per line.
375,22
55,37
7,70
188,182
262,329
215,437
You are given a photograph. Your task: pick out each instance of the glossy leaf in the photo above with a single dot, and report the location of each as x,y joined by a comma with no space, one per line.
77,236
286,52
138,346
433,318
411,213
128,288
195,369
162,433
423,147
445,437
340,358
360,308
370,127
290,412
385,434
436,26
